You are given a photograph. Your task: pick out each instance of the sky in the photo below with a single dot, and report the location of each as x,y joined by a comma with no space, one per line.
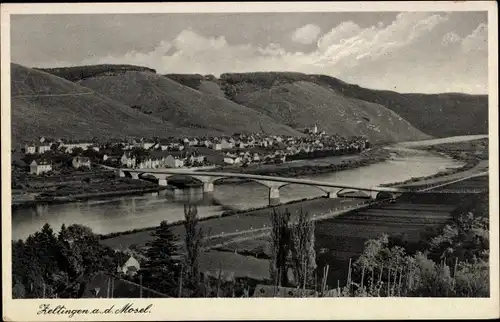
425,52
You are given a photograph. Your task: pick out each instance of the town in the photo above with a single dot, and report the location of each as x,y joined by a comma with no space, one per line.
238,150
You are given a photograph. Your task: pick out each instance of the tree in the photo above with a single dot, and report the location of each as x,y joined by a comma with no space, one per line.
76,151
46,265
193,243
303,253
162,269
280,246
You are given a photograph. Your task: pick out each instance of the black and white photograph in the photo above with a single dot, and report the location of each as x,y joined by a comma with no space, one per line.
249,154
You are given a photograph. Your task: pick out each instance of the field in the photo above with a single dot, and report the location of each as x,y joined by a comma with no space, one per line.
412,218
237,223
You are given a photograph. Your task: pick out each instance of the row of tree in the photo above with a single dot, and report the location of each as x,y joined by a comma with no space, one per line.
46,265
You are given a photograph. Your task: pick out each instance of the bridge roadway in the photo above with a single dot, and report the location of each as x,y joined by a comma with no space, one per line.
273,183
447,183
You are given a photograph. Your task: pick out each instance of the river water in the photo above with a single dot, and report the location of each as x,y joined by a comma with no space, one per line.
130,212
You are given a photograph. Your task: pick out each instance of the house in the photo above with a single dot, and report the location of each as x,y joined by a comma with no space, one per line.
165,144
147,144
193,142
207,143
128,160
174,162
192,159
130,267
232,160
30,149
228,160
225,144
40,167
241,145
68,145
217,146
44,147
81,162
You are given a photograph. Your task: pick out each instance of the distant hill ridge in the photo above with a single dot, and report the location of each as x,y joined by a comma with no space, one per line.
440,115
46,105
273,102
78,73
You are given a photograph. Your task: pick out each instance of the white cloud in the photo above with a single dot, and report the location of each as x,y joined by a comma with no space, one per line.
477,40
450,38
306,34
376,56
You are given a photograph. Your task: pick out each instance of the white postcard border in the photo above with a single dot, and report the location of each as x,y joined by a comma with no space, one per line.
223,309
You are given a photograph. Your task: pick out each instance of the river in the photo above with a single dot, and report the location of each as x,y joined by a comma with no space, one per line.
131,212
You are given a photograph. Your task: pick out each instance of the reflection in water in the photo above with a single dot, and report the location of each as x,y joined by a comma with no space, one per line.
130,212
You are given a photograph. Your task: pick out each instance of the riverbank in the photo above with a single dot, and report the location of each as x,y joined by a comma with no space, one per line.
87,189
474,155
316,166
234,223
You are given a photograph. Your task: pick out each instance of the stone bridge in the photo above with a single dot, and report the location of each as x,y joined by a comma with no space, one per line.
273,183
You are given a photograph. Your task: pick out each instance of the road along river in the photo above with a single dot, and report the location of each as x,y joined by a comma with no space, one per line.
124,213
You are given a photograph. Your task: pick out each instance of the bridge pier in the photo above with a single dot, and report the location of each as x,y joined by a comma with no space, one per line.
135,175
162,182
119,173
331,194
274,196
208,187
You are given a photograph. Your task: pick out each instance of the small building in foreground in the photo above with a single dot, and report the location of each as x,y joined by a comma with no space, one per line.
40,166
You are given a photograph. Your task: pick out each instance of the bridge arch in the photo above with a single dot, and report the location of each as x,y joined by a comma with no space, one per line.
353,193
327,191
384,195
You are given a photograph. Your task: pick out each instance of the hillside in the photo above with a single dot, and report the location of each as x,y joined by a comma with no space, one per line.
439,115
43,104
299,101
170,101
304,103
77,73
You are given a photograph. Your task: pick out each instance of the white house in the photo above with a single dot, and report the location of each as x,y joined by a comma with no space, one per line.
81,162
147,144
217,146
173,162
193,142
228,160
232,160
128,160
30,149
226,144
42,148
131,266
68,146
207,143
40,167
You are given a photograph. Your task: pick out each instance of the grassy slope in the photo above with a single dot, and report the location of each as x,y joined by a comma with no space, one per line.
304,103
72,111
439,115
184,106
